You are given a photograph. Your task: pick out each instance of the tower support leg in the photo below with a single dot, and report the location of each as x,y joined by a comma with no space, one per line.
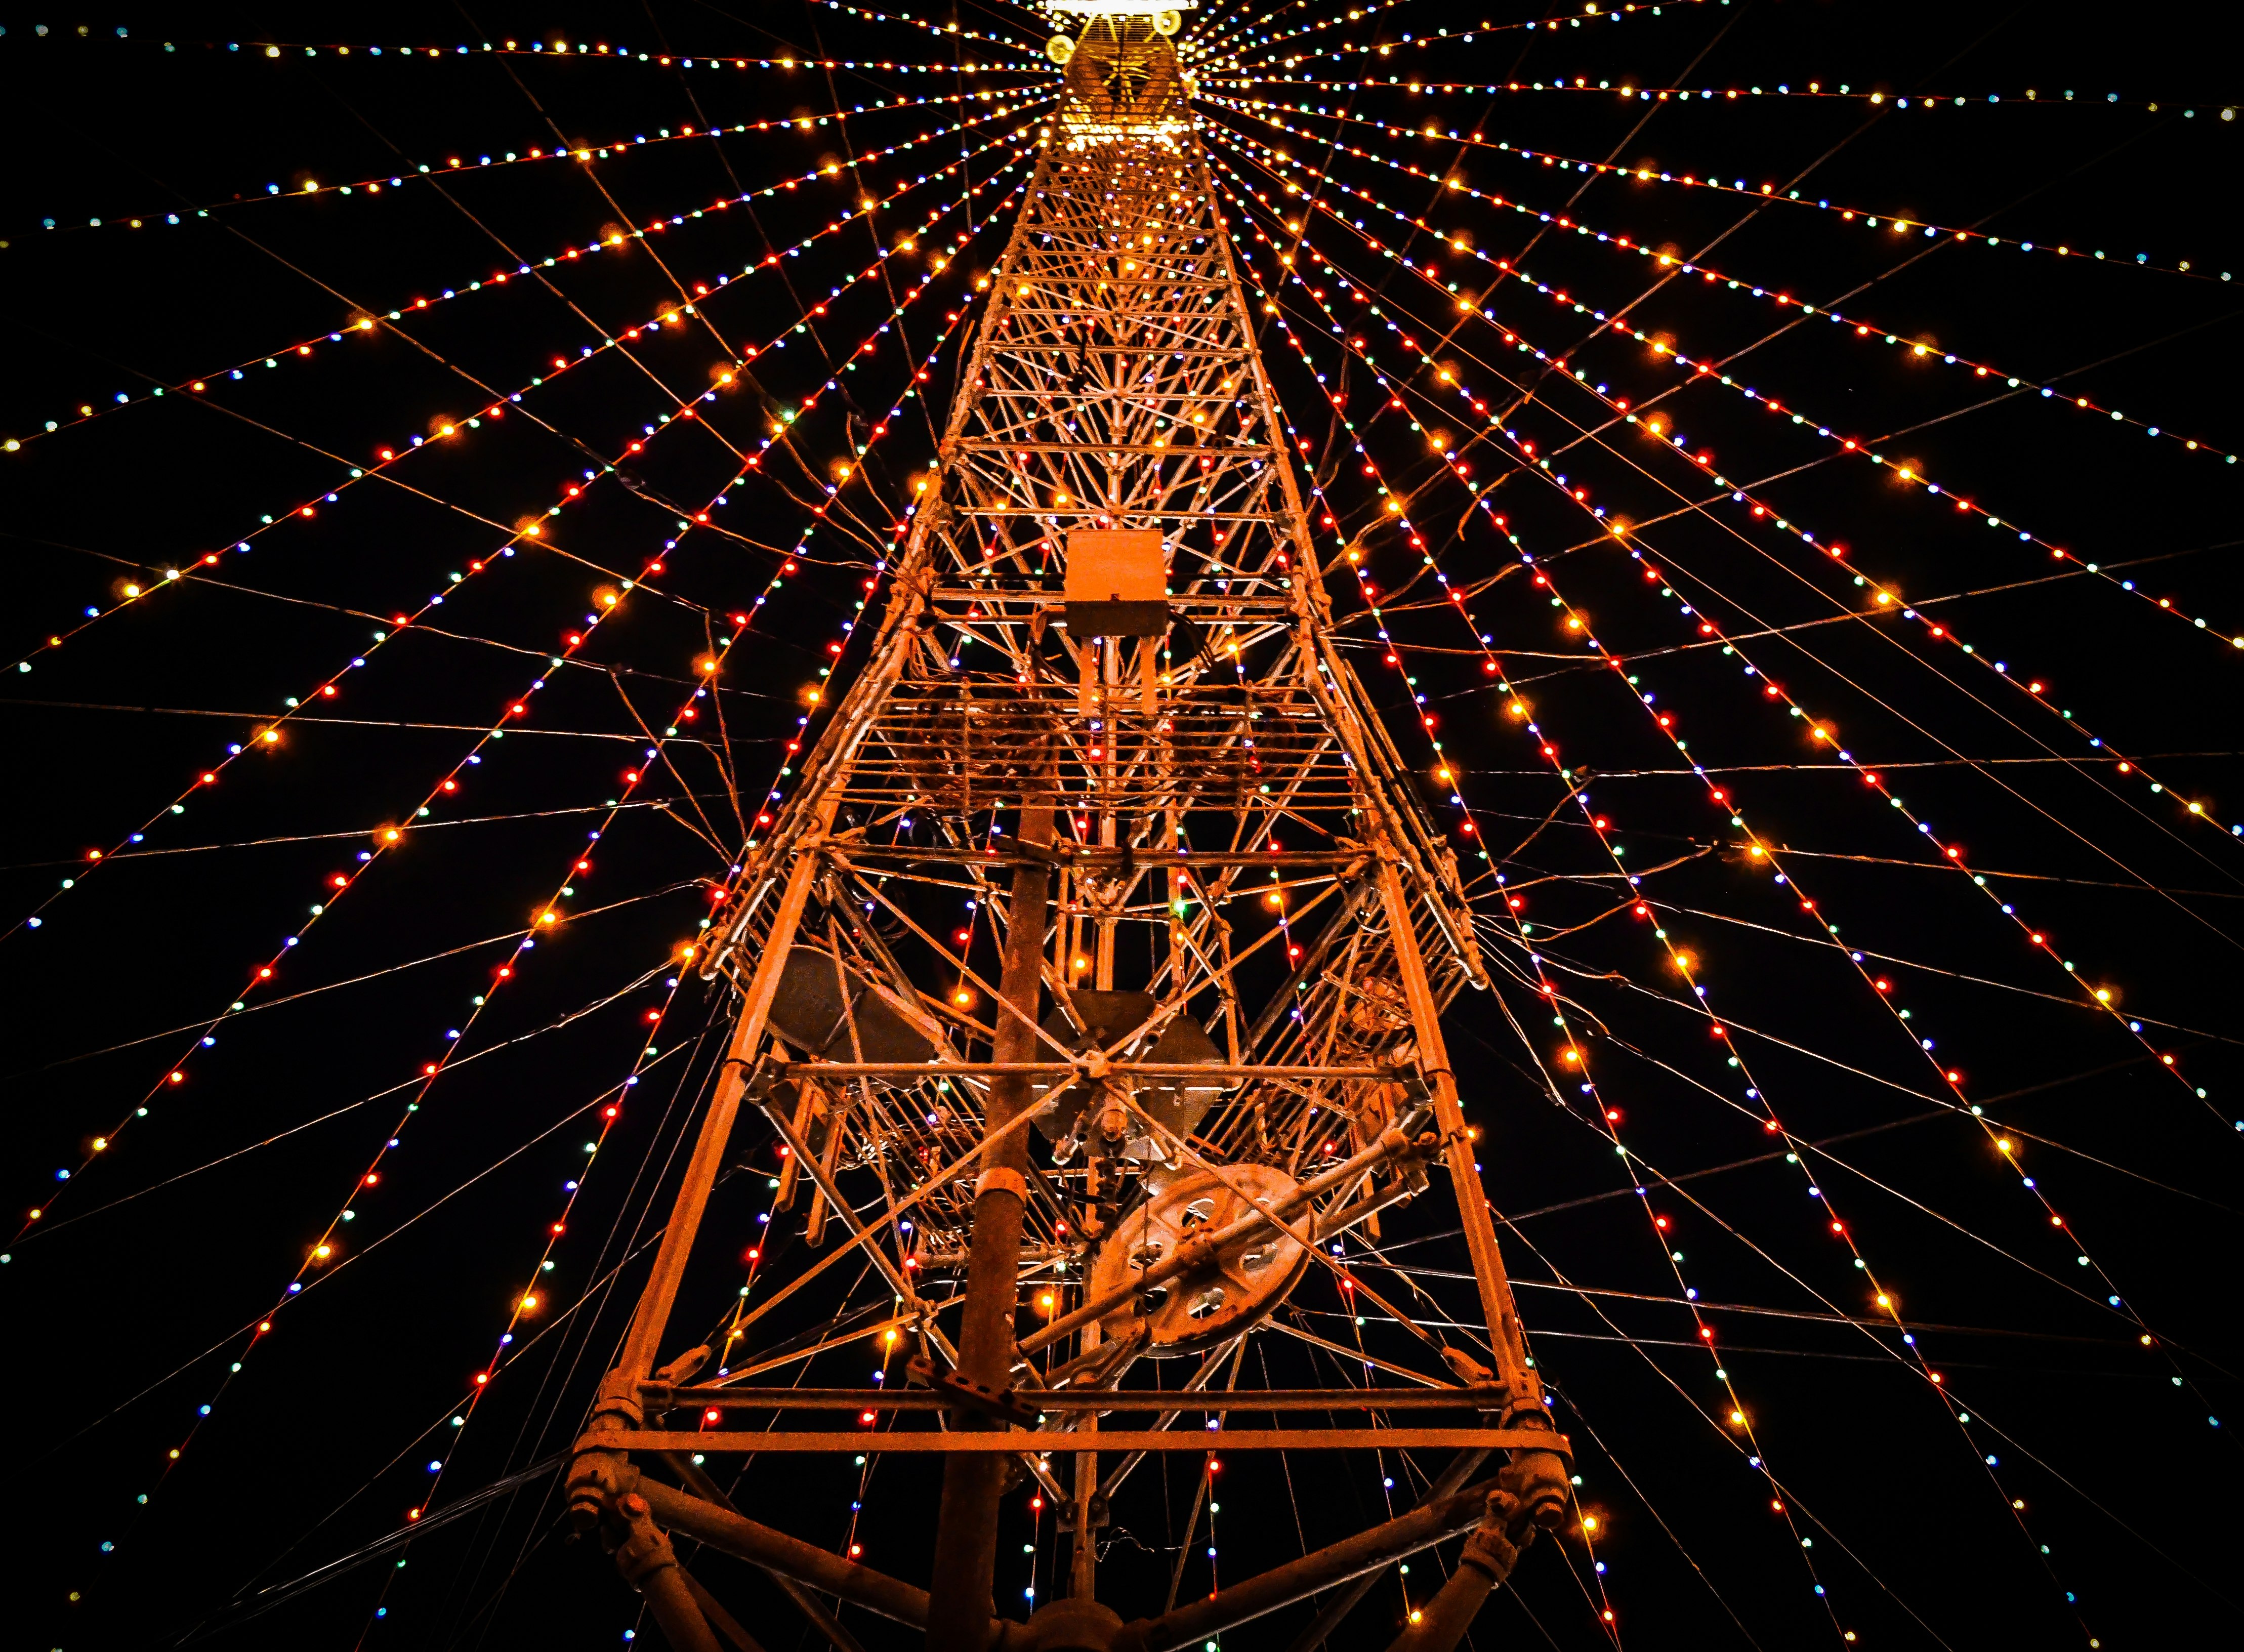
960,1604
1544,1482
1082,1579
1489,1555
650,1566
596,1475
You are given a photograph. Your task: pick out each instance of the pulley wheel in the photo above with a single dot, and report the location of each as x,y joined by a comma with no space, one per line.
1209,1304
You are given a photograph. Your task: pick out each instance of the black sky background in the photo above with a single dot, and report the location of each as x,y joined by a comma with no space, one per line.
127,1306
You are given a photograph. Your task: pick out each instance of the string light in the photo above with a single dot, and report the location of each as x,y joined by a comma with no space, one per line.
605,149
1952,853
1643,173
1572,1057
1268,44
602,52
1815,91
341,883
526,1302
363,323
1393,511
1706,373
1905,473
1569,1052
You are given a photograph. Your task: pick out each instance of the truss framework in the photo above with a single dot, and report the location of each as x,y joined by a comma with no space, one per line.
1218,1090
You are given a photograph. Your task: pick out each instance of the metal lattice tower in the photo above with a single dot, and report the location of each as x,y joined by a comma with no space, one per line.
1104,700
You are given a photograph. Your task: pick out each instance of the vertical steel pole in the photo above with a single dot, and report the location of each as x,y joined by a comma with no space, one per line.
1082,1580
1495,1302
1542,1474
654,1302
960,1604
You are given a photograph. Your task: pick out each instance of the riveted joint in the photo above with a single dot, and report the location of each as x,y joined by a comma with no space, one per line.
1101,1516
644,1549
1540,1480
597,1476
1494,1548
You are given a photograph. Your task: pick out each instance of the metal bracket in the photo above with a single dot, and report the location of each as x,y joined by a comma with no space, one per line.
1005,1404
1100,1515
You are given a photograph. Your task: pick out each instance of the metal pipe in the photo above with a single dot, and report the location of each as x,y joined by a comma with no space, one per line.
1487,1559
1441,1623
1502,1318
682,1465
1082,1574
670,1598
1346,1217
861,1237
1197,1383
1106,1401
858,1235
1085,1069
653,1311
1507,1341
962,1605
649,1564
775,1551
1453,1474
1381,1545
1093,856
820,1619
1036,1443
719,1619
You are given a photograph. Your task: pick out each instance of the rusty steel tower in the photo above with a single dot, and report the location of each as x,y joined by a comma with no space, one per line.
1103,701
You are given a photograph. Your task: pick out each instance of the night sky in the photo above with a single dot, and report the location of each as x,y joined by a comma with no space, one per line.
1923,763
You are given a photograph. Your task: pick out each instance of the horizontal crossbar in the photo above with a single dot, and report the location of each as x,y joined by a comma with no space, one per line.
1042,1442
1093,450
1191,353
1071,1069
1135,512
1151,860
991,598
662,1396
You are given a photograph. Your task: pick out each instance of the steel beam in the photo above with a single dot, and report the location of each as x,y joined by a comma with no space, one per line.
727,1627
1084,1069
653,1311
1106,1401
1013,1442
1453,1474
751,1540
1381,1545
966,1523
